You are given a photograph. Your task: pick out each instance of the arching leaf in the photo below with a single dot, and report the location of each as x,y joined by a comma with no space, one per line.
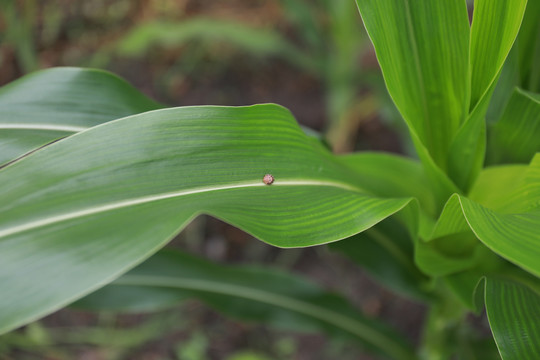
78,213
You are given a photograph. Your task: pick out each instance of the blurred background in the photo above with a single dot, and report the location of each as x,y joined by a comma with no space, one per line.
311,56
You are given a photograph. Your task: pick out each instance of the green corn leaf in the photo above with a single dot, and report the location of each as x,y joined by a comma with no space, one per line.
520,69
526,196
516,136
468,148
386,251
390,175
422,47
80,212
510,230
463,285
513,311
529,47
75,99
247,293
508,80
55,103
495,185
514,237
451,246
521,196
494,29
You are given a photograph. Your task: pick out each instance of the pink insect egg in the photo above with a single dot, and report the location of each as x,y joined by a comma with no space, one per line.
268,179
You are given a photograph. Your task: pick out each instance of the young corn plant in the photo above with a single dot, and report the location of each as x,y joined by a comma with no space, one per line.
96,179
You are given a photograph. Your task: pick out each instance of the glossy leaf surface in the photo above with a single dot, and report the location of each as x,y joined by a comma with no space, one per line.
101,201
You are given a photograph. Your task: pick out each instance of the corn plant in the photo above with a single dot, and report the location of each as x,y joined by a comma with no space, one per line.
96,179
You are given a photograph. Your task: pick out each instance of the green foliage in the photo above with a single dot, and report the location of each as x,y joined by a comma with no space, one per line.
118,181
249,293
260,42
506,300
74,100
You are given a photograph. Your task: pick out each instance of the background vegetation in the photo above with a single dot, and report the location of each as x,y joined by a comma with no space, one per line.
311,56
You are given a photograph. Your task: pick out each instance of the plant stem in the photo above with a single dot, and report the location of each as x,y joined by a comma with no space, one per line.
441,327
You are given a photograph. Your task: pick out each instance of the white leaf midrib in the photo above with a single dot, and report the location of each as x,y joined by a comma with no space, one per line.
44,127
156,197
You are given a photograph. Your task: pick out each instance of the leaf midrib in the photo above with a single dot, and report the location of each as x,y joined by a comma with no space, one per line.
156,197
44,127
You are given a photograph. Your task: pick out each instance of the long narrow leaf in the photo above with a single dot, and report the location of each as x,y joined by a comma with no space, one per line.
511,231
494,29
513,311
248,293
529,47
386,251
516,136
495,186
56,103
422,48
391,175
80,212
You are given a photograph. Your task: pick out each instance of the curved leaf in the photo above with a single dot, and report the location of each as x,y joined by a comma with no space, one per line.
515,237
516,136
513,311
468,148
529,47
430,88
249,293
80,212
512,231
495,185
391,175
386,251
494,29
54,103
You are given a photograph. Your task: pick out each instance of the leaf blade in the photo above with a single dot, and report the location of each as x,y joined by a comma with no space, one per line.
64,101
513,312
404,34
493,32
256,294
516,136
165,168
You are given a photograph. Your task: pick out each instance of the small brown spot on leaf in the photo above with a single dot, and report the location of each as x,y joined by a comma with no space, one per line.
268,179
